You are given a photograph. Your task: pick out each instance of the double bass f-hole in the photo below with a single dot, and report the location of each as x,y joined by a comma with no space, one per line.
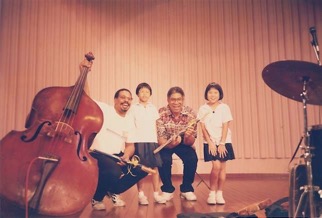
24,137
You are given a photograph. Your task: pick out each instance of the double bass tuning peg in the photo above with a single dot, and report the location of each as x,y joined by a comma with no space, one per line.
89,56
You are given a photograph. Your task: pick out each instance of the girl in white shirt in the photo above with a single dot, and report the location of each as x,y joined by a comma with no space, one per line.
217,139
145,116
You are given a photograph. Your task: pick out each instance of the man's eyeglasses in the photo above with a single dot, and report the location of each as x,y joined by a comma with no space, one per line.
176,99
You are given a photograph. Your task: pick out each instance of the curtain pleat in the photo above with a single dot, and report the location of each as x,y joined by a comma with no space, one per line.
186,43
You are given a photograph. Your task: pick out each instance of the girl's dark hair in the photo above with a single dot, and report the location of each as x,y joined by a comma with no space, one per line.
215,86
175,89
143,85
117,93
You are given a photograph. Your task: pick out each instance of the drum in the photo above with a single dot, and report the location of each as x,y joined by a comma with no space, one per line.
298,175
315,136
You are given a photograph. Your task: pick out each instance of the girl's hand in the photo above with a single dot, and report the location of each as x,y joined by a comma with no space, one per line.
222,151
212,149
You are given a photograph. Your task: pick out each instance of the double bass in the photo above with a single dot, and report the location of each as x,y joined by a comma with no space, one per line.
47,167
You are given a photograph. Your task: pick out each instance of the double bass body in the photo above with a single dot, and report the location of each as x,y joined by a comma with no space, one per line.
47,166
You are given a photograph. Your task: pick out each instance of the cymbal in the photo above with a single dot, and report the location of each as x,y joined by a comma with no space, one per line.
288,78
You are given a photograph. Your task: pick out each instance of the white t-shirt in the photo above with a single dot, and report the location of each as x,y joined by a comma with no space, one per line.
145,122
214,121
115,132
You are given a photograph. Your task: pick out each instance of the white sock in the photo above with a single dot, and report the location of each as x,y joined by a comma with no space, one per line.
141,193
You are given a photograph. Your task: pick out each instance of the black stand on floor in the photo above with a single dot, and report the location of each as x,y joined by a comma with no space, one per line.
202,181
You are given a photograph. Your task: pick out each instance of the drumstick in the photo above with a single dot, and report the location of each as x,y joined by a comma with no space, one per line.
182,131
131,162
253,208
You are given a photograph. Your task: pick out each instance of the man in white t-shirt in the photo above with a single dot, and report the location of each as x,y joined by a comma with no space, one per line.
116,137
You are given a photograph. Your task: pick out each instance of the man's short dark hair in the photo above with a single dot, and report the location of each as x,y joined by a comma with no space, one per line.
175,89
117,93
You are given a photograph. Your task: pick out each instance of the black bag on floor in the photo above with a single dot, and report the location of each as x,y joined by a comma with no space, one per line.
214,215
276,209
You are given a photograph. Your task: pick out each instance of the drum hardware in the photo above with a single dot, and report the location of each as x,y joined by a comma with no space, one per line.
309,188
289,78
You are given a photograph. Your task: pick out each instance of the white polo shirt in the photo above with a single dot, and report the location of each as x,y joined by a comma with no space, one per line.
145,122
115,132
214,121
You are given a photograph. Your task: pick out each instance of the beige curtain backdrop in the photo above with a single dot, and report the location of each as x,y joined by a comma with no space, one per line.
186,43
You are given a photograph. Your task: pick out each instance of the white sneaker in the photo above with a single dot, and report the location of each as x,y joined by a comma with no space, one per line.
143,200
117,201
167,196
189,196
219,198
159,199
98,205
211,198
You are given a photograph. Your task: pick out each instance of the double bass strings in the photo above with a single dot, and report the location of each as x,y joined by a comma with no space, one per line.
63,129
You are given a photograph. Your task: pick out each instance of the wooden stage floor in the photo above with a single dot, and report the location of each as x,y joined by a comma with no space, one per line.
239,191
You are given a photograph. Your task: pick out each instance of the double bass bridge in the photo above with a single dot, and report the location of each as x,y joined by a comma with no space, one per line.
62,130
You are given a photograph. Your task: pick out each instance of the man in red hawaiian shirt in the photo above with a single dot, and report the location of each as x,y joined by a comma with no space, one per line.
174,124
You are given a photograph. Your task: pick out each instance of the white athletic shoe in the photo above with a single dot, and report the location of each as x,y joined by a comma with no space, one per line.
117,201
167,196
159,199
98,205
219,198
143,200
189,196
212,198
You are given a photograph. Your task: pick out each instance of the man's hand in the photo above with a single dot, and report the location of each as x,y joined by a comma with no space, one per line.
190,131
124,159
189,136
85,64
175,141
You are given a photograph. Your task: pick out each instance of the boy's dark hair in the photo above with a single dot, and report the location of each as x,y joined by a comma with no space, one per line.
143,85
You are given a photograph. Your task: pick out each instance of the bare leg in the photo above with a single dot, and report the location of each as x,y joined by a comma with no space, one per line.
217,180
156,188
140,185
214,175
143,200
222,175
156,180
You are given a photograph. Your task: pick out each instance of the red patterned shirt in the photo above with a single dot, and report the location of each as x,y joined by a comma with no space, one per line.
168,125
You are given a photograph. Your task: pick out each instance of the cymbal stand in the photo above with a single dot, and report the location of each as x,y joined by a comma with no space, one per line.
309,188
